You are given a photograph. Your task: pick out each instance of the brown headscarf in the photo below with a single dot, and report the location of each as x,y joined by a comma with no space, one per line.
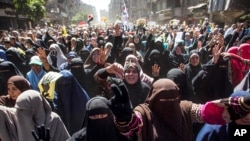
164,118
20,82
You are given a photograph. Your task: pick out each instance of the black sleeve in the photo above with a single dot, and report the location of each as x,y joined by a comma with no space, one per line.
233,39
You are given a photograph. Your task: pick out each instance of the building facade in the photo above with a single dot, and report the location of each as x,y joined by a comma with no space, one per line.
191,11
9,18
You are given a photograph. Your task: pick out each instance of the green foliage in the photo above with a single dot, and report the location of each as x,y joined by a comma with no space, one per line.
33,9
80,16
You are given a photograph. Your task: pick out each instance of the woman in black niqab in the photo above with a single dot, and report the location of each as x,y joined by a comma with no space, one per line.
98,123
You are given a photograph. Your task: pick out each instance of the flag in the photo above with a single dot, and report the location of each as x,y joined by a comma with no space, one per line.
124,12
64,31
90,18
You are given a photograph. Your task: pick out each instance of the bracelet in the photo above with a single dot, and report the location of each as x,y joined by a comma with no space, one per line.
127,127
246,107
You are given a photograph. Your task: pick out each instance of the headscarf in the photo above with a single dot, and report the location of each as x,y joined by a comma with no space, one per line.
77,69
7,123
59,55
7,69
154,57
191,71
79,45
84,53
244,51
34,78
139,90
236,66
165,89
144,77
91,130
179,78
211,132
20,82
17,57
178,45
89,63
28,54
73,97
124,53
95,106
164,117
33,110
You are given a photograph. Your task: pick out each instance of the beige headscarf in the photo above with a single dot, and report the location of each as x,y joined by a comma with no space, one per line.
7,124
31,110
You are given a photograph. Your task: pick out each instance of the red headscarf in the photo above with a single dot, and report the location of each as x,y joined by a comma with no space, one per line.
236,67
244,51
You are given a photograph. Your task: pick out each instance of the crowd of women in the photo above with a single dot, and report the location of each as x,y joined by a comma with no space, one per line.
185,82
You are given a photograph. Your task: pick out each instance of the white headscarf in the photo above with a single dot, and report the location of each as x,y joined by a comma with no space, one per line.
59,55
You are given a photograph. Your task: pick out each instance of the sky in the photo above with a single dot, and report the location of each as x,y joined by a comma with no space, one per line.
99,4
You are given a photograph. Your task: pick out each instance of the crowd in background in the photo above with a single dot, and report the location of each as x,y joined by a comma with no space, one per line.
64,78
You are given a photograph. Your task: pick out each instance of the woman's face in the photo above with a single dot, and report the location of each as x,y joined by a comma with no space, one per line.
96,56
131,75
73,43
36,68
178,51
199,43
195,60
136,40
13,91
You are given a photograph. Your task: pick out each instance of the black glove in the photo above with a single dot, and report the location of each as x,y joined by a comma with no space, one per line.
120,103
42,134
